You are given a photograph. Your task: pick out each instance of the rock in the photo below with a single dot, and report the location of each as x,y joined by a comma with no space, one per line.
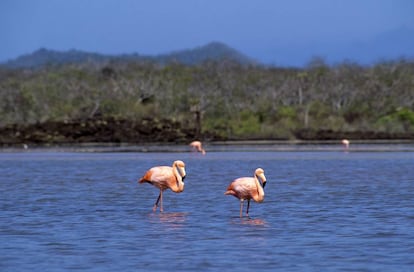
108,130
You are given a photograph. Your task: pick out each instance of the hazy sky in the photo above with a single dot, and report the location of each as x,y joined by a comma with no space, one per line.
261,29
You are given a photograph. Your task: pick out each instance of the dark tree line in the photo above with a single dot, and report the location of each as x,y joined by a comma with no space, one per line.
232,100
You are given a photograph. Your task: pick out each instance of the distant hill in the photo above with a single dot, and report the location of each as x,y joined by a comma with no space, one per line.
44,56
211,51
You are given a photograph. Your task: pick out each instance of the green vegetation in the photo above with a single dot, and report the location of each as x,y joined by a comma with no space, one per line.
232,100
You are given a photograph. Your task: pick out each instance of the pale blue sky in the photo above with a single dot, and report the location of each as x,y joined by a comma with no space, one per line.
271,31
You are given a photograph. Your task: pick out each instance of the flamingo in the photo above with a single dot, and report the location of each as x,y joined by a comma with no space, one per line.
345,142
165,177
197,146
248,188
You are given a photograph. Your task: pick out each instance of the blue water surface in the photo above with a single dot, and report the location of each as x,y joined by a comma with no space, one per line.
323,211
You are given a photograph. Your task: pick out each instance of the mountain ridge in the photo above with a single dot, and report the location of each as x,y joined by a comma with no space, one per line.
193,56
393,44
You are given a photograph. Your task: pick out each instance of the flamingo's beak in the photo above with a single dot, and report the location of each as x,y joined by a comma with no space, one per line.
182,173
264,183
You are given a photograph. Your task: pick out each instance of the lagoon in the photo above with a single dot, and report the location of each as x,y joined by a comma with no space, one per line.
324,209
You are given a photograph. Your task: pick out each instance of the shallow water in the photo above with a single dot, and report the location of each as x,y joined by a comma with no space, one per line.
332,211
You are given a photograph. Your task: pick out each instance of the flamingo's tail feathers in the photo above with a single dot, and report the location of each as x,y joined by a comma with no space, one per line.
146,177
229,192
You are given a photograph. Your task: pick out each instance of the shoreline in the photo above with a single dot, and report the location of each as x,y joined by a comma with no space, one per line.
223,146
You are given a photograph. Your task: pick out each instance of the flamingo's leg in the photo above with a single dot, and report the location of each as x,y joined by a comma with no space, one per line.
161,206
241,207
158,200
248,206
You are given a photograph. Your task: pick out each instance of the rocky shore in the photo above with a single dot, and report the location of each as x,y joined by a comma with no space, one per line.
108,130
111,130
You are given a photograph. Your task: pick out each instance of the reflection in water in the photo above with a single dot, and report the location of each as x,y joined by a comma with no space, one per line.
172,220
250,221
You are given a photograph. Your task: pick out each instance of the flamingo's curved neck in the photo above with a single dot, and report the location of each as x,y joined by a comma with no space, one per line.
259,186
180,183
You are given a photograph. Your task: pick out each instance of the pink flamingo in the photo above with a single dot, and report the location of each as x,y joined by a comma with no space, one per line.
346,143
198,147
248,188
165,177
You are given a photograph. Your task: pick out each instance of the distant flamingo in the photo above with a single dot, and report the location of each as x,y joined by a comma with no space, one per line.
197,146
248,188
345,142
165,177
